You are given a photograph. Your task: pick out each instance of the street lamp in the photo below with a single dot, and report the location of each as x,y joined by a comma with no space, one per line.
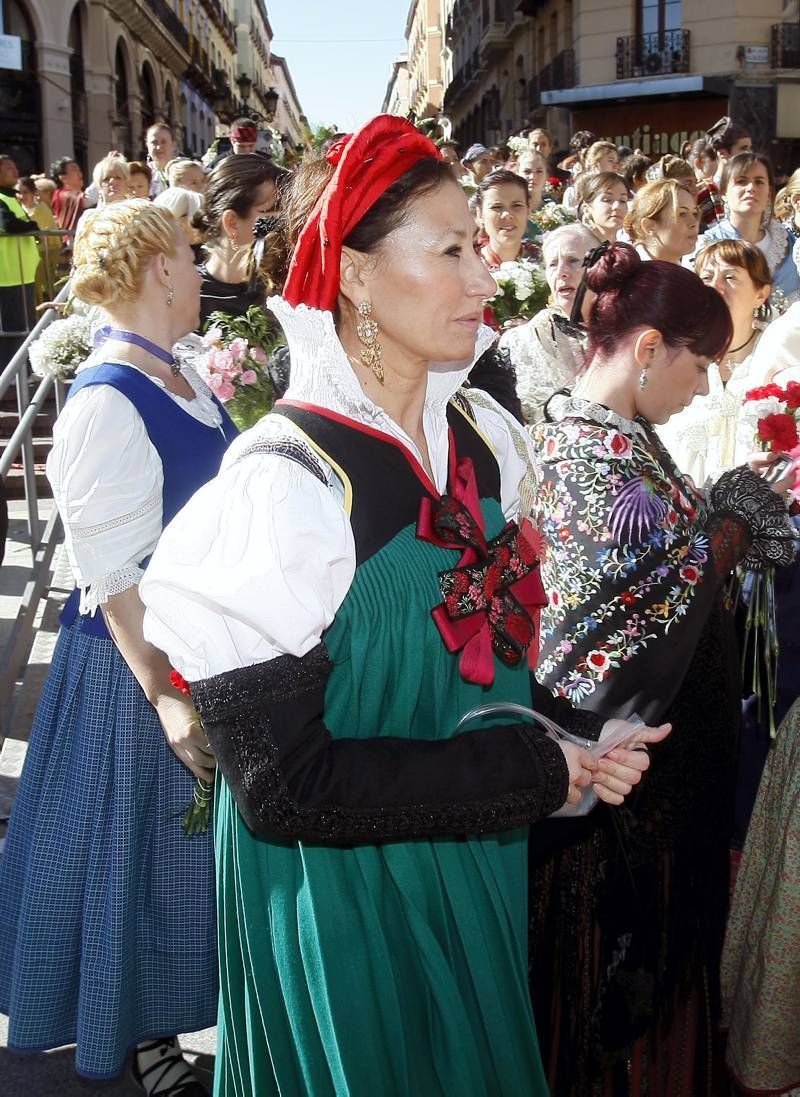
271,98
245,86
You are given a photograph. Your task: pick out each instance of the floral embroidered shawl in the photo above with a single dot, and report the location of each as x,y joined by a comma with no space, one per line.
629,567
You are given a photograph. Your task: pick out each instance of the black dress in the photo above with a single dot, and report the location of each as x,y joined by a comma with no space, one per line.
235,298
628,905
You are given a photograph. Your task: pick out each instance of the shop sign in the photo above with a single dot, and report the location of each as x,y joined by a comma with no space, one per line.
10,52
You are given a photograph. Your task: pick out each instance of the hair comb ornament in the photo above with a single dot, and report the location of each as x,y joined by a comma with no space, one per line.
589,261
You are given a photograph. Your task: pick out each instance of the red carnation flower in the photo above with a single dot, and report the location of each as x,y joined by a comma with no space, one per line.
793,395
780,430
764,392
179,682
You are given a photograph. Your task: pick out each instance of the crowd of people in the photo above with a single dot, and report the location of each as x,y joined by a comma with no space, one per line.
474,626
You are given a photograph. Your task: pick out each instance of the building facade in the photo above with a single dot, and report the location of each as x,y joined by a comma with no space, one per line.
647,73
397,100
289,119
424,58
96,73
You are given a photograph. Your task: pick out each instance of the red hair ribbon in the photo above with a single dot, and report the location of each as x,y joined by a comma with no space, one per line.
366,164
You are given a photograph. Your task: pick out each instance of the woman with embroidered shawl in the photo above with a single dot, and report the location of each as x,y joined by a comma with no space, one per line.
627,913
353,584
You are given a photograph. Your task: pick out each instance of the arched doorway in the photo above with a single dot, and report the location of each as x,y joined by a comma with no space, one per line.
20,100
169,107
123,135
80,116
147,85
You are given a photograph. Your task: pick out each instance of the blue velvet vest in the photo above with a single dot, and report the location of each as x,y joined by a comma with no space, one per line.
190,453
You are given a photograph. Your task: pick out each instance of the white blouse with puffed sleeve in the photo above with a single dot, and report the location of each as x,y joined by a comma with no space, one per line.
261,558
107,483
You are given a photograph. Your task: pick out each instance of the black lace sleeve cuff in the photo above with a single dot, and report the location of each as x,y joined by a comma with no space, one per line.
749,523
291,779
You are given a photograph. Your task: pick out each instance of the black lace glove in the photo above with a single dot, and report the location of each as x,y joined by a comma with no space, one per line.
749,523
291,779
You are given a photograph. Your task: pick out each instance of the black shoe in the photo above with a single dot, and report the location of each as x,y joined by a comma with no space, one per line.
167,1073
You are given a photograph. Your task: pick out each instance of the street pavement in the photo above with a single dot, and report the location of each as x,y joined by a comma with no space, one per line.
53,1074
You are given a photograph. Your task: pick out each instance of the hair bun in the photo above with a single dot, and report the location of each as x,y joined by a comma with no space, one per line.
613,269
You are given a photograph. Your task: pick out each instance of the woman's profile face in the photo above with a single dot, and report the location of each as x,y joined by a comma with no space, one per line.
674,379
504,212
676,230
609,161
426,284
186,281
264,200
748,191
194,179
608,208
734,285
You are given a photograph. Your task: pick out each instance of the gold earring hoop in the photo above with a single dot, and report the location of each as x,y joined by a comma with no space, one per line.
367,331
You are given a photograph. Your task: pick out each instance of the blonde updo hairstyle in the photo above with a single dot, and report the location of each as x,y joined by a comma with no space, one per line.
114,247
649,203
784,209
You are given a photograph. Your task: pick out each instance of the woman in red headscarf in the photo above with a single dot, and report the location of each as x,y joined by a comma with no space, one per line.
350,587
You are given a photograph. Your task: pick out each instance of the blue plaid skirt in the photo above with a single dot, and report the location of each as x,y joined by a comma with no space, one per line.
107,931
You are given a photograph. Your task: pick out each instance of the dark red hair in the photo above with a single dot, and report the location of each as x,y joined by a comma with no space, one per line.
652,294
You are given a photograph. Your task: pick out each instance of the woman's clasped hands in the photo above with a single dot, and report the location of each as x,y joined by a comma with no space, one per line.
614,774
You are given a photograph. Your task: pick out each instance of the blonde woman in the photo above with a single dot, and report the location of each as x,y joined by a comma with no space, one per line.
706,439
663,221
184,205
188,174
107,935
601,156
111,179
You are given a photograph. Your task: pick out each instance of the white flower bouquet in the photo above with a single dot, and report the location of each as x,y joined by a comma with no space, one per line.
522,291
518,145
552,216
62,347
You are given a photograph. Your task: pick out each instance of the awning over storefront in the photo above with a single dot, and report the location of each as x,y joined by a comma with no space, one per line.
643,88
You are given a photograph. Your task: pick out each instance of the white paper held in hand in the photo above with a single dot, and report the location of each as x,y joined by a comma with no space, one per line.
615,733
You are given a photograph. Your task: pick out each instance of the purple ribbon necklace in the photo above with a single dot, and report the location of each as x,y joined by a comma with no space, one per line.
108,332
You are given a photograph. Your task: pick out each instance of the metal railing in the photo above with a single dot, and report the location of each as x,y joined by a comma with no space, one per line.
42,541
785,53
659,53
558,73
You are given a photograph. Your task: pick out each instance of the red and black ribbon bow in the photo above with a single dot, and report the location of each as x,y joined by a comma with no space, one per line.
493,594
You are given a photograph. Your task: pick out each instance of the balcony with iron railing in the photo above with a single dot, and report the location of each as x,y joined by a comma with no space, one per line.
658,54
170,21
559,73
785,52
494,36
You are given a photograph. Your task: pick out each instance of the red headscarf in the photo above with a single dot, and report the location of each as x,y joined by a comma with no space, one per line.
367,163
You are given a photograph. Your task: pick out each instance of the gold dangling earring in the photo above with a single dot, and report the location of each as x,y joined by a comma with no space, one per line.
170,297
367,331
